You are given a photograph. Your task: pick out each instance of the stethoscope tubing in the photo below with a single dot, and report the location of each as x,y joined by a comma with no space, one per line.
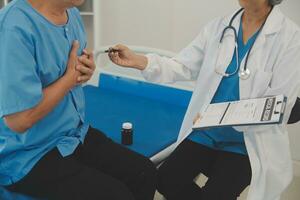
245,72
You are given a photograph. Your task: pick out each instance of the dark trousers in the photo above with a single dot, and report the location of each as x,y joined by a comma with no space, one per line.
99,169
228,173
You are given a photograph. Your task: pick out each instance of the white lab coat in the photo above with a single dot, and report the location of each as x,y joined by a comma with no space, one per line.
275,69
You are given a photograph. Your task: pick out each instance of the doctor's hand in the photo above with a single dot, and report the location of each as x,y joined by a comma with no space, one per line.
198,116
123,56
86,66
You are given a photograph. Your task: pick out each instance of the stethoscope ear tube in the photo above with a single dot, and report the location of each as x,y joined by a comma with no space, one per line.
231,27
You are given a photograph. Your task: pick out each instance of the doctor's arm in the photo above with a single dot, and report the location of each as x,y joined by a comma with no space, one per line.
184,67
155,68
22,121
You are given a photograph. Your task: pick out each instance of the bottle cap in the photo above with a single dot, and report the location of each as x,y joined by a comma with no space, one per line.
127,125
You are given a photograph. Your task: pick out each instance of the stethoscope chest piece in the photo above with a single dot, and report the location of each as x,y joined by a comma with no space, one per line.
244,74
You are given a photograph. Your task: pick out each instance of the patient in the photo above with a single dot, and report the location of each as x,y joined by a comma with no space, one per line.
47,150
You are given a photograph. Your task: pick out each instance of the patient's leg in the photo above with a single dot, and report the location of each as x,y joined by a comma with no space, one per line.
55,177
135,171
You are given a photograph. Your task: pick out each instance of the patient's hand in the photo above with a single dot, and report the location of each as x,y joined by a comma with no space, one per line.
86,66
125,57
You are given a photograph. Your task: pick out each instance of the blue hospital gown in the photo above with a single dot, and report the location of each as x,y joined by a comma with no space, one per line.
34,54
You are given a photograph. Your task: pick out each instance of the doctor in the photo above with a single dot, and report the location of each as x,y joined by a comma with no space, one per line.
253,53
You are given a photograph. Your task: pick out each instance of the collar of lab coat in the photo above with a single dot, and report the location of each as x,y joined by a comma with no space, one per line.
273,23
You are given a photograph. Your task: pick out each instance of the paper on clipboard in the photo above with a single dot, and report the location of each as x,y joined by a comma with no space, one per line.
260,111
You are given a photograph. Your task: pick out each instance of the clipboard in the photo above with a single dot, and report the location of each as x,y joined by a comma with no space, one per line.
260,111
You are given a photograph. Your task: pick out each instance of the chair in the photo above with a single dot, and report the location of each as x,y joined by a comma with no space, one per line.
295,115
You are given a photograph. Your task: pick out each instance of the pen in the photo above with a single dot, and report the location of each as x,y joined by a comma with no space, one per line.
111,50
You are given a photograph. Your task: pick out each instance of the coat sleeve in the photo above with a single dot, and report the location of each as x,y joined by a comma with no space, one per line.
183,67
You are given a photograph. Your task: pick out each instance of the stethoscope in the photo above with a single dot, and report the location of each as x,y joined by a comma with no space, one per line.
244,73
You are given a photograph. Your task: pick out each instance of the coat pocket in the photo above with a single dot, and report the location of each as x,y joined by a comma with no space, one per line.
261,82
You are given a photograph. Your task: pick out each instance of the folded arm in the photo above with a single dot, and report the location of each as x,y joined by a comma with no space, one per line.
22,121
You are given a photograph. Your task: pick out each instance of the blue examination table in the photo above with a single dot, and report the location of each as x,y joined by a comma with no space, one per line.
155,111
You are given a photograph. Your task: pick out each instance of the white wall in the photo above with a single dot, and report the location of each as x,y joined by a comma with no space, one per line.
171,25
168,24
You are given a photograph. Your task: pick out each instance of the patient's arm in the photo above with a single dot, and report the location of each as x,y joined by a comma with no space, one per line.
22,121
52,95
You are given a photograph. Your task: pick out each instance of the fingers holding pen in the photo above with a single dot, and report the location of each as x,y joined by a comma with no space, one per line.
114,56
116,51
123,56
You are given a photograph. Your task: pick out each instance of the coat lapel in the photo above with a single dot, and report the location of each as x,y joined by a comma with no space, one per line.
256,57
